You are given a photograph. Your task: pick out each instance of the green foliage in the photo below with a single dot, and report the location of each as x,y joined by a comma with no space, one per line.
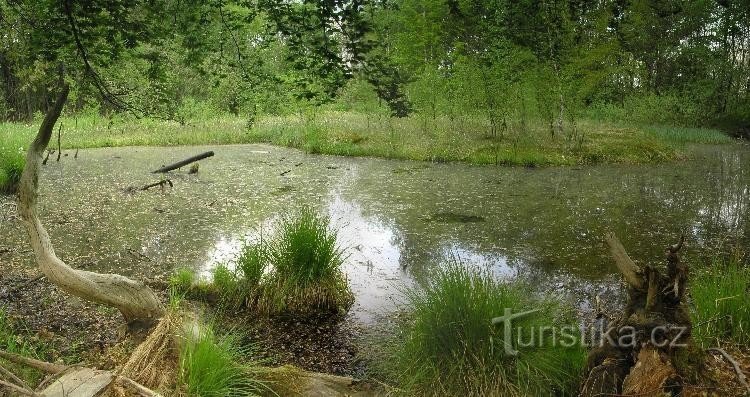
449,345
719,296
212,366
12,159
252,263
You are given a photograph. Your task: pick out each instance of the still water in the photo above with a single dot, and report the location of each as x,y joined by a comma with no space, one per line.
398,220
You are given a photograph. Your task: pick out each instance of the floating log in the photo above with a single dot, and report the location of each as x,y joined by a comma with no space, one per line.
183,163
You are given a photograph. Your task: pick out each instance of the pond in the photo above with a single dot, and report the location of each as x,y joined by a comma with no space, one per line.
398,220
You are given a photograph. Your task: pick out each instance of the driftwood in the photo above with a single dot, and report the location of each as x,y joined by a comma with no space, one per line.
66,381
183,163
643,352
162,183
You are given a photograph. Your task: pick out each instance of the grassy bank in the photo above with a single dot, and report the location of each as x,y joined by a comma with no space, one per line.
361,134
449,346
719,295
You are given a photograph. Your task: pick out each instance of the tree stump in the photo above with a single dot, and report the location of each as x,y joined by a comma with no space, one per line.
644,351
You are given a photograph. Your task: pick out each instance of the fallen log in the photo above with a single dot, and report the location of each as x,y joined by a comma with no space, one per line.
183,163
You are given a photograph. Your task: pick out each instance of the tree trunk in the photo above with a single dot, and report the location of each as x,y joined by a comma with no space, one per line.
137,303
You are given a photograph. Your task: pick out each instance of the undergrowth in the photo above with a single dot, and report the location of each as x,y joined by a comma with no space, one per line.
720,296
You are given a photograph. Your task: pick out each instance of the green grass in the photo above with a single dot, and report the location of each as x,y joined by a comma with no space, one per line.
296,270
182,280
12,159
13,342
306,265
720,296
211,366
465,139
448,345
684,135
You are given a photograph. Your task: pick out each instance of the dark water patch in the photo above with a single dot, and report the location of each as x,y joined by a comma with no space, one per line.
452,217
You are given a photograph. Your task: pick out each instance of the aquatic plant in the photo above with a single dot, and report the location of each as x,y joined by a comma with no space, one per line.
306,274
720,311
449,346
211,366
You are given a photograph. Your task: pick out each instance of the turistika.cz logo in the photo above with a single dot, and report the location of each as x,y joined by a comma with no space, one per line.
569,336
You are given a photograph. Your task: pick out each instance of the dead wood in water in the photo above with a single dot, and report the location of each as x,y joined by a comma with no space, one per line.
183,163
162,183
648,349
59,148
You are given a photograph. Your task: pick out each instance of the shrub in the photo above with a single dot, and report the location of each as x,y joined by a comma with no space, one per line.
449,345
210,366
720,310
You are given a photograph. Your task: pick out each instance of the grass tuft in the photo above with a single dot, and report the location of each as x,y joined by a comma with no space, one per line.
720,296
683,135
450,347
306,263
12,342
210,366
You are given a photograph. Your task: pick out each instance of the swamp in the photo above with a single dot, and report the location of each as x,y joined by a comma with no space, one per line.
374,198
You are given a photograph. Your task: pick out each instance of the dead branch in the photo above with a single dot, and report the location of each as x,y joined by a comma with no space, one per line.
162,183
30,362
49,152
183,163
737,370
627,267
137,387
19,389
59,149
13,377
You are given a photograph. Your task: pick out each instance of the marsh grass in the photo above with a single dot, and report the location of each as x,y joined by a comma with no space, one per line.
720,296
11,161
684,135
212,366
306,265
448,345
12,342
297,270
439,139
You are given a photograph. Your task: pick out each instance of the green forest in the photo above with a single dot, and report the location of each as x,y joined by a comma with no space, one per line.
364,198
488,82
